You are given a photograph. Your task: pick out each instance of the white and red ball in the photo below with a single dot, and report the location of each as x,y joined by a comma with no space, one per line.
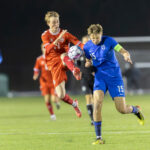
75,52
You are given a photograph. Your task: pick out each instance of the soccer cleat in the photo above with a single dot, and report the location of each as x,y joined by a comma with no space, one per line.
76,72
76,108
53,117
140,116
92,123
98,141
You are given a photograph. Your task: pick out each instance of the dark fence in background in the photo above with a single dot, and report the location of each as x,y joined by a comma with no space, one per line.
20,77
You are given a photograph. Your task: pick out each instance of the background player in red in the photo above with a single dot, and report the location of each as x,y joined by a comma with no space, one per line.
56,41
46,82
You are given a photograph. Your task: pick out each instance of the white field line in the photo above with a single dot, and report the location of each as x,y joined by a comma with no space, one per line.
77,133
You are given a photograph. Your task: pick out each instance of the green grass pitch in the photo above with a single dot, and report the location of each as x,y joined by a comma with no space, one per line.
25,125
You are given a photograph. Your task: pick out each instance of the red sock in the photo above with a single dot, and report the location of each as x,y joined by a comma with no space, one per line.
50,108
69,63
68,99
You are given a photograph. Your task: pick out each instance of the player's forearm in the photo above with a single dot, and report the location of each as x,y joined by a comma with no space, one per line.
49,47
124,52
126,55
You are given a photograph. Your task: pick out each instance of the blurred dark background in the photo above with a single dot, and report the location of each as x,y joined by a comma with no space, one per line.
22,23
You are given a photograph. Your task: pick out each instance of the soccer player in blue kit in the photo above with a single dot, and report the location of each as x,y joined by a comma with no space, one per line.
100,52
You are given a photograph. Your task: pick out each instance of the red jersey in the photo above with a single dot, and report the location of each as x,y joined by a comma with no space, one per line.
45,75
53,51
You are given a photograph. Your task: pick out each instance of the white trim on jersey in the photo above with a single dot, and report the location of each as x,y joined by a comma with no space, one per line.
46,44
35,69
54,33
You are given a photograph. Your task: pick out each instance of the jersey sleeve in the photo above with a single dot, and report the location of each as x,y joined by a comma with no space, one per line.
86,51
48,46
37,67
74,40
112,42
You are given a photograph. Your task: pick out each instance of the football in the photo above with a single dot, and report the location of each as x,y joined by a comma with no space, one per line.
75,52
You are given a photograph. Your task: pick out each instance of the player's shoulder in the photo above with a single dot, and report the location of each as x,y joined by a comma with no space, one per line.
88,44
39,58
107,38
45,33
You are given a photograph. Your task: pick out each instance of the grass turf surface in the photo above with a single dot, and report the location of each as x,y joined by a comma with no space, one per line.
25,125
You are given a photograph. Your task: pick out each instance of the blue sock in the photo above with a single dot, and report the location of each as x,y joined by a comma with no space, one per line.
98,129
135,110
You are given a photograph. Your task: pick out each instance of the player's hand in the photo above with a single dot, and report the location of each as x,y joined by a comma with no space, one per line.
127,57
88,63
35,76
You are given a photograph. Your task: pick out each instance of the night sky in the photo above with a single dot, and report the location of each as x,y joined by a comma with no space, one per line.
22,23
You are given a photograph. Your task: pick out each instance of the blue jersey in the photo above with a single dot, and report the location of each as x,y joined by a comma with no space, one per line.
1,58
107,70
103,54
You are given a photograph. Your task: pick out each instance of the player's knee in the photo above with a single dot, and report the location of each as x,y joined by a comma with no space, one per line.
61,95
62,56
122,110
98,102
46,98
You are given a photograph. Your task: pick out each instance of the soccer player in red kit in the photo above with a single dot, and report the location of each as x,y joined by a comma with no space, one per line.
46,82
56,41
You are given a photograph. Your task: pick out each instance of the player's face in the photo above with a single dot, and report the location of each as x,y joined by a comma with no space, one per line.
85,39
54,24
96,38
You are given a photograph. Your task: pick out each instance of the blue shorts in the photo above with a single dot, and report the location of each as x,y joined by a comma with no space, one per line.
109,79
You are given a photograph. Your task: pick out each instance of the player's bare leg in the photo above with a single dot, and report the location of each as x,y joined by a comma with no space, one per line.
98,101
123,108
47,99
70,64
89,105
61,93
56,100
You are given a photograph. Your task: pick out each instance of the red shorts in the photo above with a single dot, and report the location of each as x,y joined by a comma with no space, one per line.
47,90
58,70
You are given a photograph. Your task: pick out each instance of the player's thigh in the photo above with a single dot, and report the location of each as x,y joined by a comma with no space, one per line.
89,98
54,98
62,58
98,97
47,97
60,90
120,104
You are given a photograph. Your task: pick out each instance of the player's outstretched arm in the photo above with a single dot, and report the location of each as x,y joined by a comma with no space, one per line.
59,37
126,55
48,46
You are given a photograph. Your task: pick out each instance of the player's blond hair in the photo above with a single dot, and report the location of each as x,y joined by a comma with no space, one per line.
85,36
50,14
95,29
